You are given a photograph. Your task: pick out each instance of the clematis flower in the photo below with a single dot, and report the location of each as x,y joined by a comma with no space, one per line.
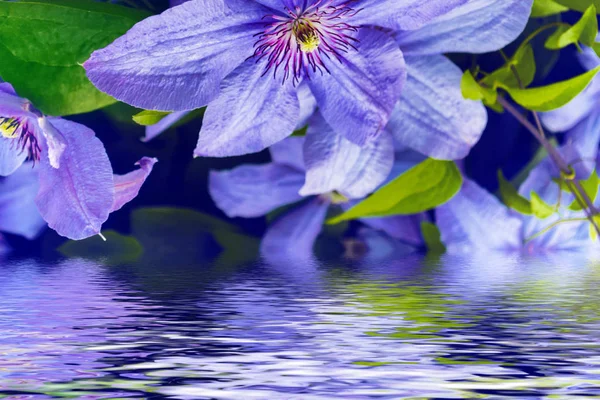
312,174
476,221
308,173
247,60
580,119
77,189
432,117
18,213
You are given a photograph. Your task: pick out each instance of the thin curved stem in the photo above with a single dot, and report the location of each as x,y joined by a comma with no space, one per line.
552,226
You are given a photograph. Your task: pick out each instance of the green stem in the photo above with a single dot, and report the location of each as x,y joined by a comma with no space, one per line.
540,30
553,225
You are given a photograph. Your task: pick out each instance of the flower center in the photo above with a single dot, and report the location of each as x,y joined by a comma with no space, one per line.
24,138
307,36
298,43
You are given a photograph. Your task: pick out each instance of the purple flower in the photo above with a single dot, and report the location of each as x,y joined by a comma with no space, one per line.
247,60
476,221
313,173
18,212
432,117
580,119
77,189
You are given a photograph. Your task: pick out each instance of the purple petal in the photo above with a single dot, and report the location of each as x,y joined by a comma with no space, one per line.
11,156
76,198
153,131
255,190
175,61
7,88
128,186
479,26
404,228
18,213
290,152
359,95
474,220
333,163
402,15
433,117
13,106
588,57
252,112
575,111
581,145
308,104
296,231
278,5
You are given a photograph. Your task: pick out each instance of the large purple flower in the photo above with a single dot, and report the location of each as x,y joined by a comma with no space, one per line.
77,189
246,59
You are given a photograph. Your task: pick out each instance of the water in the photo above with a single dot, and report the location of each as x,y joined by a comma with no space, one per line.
410,328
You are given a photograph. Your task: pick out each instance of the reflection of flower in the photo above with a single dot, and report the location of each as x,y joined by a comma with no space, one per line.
77,190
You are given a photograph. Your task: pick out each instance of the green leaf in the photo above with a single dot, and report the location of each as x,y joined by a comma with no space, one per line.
593,232
551,97
432,237
552,43
116,249
579,5
590,186
511,198
43,44
471,90
149,117
423,187
523,63
545,8
584,31
539,207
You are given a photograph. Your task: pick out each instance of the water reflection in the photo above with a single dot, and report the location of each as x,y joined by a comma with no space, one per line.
401,328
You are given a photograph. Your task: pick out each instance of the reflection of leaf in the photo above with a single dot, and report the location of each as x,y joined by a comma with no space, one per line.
177,234
423,312
116,249
237,248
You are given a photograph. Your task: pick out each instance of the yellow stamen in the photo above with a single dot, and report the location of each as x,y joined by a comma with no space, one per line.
307,36
8,128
